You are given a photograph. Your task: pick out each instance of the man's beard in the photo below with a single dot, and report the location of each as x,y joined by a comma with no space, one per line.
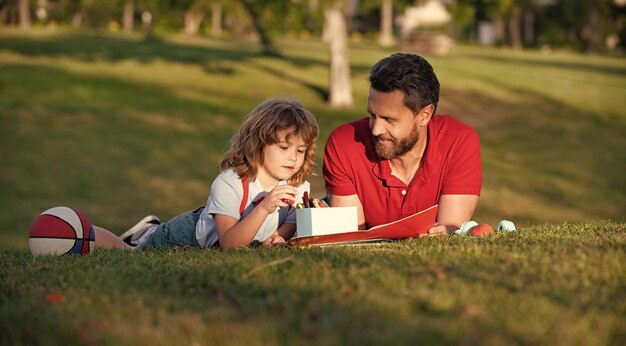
398,147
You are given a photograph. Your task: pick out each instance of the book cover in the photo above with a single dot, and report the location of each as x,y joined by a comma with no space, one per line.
409,227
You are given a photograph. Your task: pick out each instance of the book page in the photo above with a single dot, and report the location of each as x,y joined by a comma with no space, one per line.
408,227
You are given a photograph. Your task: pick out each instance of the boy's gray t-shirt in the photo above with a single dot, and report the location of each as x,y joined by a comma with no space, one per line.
225,199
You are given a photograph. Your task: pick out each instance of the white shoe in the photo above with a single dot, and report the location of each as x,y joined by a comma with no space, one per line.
130,237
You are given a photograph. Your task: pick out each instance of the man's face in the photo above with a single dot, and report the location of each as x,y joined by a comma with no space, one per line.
394,127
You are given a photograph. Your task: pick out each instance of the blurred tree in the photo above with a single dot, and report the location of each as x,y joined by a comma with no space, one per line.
463,19
386,38
350,11
128,19
216,19
587,25
195,11
24,11
8,12
96,13
598,25
41,11
501,12
582,24
340,89
271,16
383,11
255,9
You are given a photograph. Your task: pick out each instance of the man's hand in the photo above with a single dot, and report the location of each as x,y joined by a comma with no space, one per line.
453,211
436,230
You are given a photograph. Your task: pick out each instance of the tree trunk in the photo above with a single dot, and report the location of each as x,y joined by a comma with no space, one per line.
193,19
128,19
499,31
77,19
24,12
340,93
325,32
386,24
592,32
529,28
350,9
216,19
515,29
267,45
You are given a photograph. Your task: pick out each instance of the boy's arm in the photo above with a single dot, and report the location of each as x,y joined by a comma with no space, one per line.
286,230
281,235
239,233
233,233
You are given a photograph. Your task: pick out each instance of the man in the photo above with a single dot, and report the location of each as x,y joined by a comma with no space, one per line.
404,158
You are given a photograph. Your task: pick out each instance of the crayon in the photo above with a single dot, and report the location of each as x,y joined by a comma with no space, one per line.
305,199
316,203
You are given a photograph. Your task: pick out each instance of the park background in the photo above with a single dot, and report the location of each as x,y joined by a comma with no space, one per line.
120,116
124,108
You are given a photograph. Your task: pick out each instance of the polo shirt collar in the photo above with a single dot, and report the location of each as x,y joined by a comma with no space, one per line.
382,170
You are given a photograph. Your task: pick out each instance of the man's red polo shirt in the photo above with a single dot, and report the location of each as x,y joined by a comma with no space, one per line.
450,165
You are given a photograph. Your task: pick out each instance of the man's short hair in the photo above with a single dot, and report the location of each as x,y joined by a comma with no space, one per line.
410,73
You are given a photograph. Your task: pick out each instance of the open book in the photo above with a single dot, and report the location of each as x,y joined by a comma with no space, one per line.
409,227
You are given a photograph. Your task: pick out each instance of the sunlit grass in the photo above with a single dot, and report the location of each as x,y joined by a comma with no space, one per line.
120,127
549,284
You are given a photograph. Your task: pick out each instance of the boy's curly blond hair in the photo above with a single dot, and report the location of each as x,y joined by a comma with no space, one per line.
260,128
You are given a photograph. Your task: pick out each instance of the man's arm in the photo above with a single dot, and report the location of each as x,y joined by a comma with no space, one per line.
348,201
453,211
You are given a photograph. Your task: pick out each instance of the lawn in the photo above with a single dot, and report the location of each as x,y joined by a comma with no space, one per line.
544,285
120,127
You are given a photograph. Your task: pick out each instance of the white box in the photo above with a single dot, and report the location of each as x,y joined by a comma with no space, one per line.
321,221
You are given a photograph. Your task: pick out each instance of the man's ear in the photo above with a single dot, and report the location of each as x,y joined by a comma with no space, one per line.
425,114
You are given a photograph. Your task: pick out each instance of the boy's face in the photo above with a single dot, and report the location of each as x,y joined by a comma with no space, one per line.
283,159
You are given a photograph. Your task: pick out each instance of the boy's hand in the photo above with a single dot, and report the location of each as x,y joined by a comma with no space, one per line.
280,196
274,240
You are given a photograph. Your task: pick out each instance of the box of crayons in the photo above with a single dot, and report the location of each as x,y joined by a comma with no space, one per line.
315,217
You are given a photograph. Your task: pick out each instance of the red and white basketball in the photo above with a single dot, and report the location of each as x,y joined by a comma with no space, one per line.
61,231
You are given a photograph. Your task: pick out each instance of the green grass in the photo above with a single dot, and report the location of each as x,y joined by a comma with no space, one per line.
542,285
120,127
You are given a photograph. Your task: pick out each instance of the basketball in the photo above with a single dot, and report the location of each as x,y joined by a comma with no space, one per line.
61,231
